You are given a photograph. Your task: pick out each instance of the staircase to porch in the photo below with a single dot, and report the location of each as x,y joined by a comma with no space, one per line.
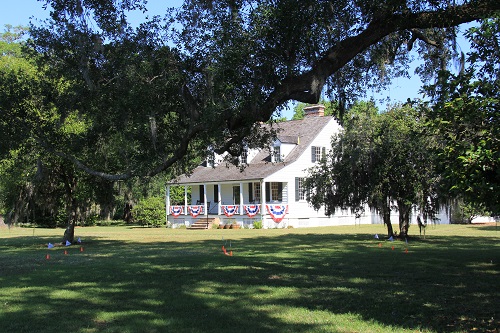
203,223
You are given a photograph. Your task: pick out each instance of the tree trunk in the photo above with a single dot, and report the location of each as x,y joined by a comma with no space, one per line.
106,211
386,216
404,219
69,233
127,213
70,183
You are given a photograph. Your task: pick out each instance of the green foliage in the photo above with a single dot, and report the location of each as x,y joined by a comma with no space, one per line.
384,161
463,212
150,211
465,114
258,225
148,99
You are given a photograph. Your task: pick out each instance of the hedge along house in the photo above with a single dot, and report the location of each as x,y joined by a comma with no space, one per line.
269,188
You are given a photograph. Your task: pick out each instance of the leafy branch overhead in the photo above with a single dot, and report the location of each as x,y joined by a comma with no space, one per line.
153,97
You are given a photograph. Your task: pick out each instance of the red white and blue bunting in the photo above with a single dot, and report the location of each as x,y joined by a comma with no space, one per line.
195,210
277,212
176,210
252,210
230,210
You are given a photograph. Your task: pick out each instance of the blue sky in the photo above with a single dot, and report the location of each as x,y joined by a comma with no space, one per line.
19,12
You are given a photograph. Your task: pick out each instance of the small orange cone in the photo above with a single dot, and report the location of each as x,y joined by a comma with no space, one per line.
231,254
47,256
379,244
392,247
406,250
81,248
65,252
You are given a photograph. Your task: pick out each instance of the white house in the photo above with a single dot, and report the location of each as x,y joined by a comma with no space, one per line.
269,188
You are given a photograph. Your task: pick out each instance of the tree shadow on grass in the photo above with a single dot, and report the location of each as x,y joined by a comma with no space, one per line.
443,284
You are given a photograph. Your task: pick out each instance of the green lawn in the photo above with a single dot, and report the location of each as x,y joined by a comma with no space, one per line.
336,279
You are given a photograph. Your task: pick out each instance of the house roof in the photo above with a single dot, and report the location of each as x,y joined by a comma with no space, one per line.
300,132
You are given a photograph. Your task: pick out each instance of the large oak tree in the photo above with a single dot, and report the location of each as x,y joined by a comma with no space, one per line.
153,97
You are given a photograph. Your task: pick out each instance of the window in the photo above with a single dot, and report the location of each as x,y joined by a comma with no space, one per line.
236,195
256,192
211,160
300,191
276,154
244,156
317,153
274,192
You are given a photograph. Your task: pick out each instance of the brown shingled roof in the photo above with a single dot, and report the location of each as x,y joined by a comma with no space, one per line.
304,131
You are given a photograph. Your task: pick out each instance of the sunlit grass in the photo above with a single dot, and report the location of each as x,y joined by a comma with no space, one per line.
337,279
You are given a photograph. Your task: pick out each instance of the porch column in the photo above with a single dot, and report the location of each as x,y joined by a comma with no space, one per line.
167,202
205,199
262,199
185,200
241,198
219,199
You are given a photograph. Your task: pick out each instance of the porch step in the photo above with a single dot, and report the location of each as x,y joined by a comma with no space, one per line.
202,224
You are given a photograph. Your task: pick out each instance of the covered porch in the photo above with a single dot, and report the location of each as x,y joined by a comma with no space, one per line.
242,202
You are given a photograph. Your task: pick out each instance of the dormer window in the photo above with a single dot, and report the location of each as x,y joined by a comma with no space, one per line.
211,160
276,155
244,156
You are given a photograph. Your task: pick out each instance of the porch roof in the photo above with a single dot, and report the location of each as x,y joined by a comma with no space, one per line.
260,167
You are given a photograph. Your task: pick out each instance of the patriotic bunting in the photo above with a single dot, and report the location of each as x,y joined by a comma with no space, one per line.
195,210
176,210
230,210
252,210
277,212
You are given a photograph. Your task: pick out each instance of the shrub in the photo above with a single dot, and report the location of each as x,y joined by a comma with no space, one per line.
150,211
257,224
90,221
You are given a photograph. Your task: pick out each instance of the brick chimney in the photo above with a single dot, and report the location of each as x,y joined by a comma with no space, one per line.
317,110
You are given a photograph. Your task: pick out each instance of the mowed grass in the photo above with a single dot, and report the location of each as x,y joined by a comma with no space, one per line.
335,279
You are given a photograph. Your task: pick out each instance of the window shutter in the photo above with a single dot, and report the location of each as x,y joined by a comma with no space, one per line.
216,193
280,191
323,153
250,192
297,197
202,194
268,191
313,154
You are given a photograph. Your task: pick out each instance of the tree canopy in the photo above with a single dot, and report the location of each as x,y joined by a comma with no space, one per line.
465,113
152,98
384,161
